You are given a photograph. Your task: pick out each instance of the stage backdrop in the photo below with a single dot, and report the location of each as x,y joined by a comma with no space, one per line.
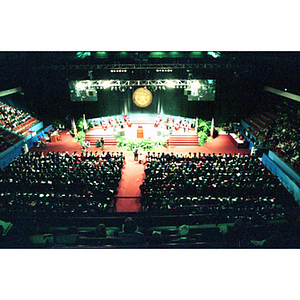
171,101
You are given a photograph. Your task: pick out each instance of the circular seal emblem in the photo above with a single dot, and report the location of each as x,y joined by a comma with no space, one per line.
142,97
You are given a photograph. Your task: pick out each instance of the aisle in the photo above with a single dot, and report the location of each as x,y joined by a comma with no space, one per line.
129,186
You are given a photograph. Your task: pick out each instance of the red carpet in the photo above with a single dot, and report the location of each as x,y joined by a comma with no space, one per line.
129,186
133,172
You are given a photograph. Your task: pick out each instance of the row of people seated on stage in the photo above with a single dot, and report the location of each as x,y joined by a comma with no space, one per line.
236,177
112,121
62,172
172,124
12,117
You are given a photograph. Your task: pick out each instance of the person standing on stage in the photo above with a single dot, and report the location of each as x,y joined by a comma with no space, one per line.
102,143
136,153
83,144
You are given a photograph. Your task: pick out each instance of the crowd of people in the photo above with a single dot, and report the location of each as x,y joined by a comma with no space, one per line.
282,136
226,184
4,143
60,181
11,117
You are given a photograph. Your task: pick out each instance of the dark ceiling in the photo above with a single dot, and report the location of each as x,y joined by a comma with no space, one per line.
268,68
251,59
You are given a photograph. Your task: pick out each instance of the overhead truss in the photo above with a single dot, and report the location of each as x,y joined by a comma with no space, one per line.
137,66
128,83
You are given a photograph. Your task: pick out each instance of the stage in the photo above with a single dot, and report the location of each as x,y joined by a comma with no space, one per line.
149,131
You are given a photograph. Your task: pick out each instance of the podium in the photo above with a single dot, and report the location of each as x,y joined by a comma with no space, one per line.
54,138
140,133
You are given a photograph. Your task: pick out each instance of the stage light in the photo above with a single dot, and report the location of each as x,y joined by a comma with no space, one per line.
101,54
6,227
175,54
214,54
170,84
157,54
80,85
83,55
196,54
106,84
195,85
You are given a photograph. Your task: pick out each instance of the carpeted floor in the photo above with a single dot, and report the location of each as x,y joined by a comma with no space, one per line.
129,186
133,172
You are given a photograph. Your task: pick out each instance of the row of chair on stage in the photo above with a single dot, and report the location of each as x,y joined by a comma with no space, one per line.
169,122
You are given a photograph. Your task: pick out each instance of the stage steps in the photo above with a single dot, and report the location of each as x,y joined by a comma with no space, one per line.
93,135
142,122
188,139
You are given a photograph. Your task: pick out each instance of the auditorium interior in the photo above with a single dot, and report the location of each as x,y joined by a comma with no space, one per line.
200,150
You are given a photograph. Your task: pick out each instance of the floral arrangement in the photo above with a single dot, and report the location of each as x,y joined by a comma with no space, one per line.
143,144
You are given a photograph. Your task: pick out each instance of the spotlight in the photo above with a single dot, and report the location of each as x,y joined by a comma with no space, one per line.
6,227
195,85
80,85
106,84
170,84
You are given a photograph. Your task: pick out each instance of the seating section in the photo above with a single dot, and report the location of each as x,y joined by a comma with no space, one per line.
14,125
280,133
220,186
227,201
59,183
261,120
276,234
8,139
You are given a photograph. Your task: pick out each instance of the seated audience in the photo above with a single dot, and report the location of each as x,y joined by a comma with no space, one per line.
130,233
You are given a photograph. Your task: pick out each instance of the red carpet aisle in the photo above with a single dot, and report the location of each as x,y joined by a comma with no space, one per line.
129,186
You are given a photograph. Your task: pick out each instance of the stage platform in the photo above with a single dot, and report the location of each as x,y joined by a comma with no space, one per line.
177,138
